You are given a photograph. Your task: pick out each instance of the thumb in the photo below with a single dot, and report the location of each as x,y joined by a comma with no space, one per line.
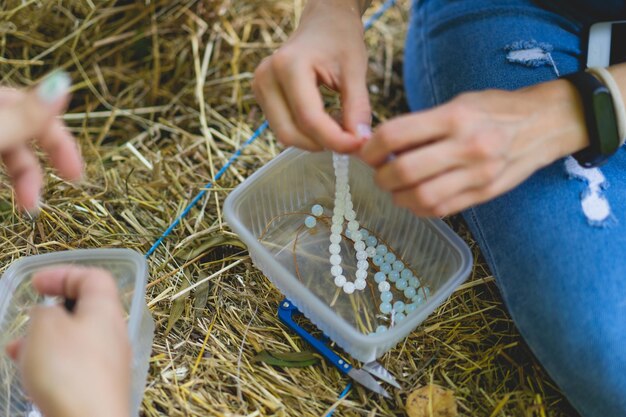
14,348
29,116
357,112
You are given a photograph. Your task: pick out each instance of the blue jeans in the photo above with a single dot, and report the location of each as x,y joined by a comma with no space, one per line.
562,273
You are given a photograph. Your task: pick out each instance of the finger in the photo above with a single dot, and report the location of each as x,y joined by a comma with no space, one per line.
22,167
512,176
62,150
85,285
305,101
406,132
357,113
270,97
34,111
14,348
427,195
414,166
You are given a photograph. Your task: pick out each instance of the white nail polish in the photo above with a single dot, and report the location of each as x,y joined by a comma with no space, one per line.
364,131
54,87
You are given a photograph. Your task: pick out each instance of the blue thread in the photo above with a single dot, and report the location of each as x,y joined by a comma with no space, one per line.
207,187
343,394
378,13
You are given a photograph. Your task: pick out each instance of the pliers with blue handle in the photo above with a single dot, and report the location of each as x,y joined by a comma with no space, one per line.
287,310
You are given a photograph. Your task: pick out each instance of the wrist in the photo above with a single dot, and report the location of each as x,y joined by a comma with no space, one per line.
353,9
561,118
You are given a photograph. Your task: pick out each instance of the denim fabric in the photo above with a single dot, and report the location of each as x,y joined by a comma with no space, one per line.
562,278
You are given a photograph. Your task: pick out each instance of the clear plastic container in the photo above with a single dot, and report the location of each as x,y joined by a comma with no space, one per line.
268,212
17,296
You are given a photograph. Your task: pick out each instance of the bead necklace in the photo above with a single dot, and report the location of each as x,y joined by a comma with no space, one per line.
391,270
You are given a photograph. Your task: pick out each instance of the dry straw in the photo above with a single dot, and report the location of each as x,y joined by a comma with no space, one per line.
162,98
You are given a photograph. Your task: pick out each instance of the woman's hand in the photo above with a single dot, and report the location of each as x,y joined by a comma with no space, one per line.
476,147
32,115
77,364
327,48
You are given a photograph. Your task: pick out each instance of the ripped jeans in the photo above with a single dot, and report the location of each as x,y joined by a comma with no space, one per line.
555,243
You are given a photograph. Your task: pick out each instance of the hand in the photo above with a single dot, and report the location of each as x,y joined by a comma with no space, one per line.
28,115
475,147
328,49
76,364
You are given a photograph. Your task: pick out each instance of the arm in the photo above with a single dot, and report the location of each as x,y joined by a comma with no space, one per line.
477,146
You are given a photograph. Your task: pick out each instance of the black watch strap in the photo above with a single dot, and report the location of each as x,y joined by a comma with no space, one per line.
600,119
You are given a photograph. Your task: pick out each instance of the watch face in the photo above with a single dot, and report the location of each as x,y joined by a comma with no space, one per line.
605,121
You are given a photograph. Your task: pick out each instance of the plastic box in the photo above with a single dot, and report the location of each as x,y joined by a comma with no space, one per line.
295,181
17,296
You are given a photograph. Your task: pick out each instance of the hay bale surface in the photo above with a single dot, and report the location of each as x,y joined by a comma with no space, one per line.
161,99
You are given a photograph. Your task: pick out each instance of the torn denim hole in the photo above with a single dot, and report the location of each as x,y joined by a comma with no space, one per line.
592,200
531,54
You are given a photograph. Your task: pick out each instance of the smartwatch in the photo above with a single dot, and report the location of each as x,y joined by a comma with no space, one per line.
600,119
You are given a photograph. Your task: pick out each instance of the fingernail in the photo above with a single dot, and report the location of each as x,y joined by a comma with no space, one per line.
54,87
33,213
364,131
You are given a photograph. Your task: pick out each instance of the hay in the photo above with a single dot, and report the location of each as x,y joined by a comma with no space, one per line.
140,69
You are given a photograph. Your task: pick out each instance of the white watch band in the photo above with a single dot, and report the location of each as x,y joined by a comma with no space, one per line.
618,102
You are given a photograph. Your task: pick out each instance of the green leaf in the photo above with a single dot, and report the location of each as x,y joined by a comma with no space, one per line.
287,359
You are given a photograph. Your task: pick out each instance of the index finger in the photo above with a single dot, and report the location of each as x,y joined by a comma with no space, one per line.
85,285
305,100
404,133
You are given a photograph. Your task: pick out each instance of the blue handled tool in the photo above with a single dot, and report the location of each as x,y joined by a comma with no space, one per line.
287,310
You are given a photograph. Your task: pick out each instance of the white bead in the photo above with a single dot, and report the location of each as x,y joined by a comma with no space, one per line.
361,274
371,251
336,270
334,249
335,238
360,284
353,225
350,215
349,205
361,256
384,286
337,219
362,264
310,222
348,287
340,280
336,229
359,246
335,259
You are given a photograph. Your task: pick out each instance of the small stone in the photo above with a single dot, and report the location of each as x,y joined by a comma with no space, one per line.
384,286
362,265
353,225
350,216
414,282
377,260
336,270
334,249
317,210
385,268
360,245
398,266
381,250
371,251
361,255
379,277
310,222
335,259
364,234
406,273
361,274
335,238
371,241
360,284
336,229
349,287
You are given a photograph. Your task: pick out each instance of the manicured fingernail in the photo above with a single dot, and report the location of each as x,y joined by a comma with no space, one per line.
54,87
364,131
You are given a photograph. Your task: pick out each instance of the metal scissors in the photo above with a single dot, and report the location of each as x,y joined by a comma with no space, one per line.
364,376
